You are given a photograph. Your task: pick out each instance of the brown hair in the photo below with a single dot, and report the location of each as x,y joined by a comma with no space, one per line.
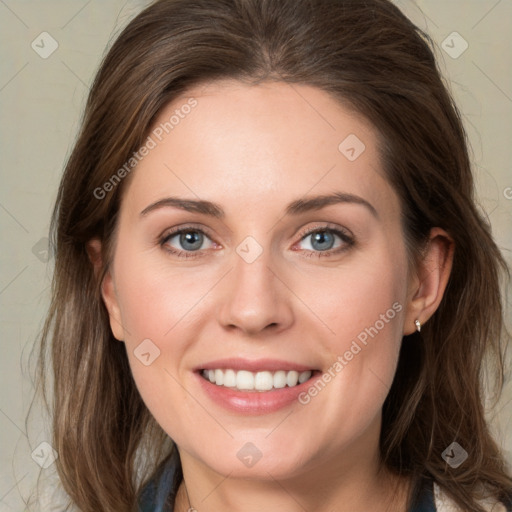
372,58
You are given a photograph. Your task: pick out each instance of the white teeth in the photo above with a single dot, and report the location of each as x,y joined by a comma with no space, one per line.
280,379
292,378
263,381
304,376
244,380
229,379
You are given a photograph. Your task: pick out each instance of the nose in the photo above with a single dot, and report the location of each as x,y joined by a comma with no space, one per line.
255,298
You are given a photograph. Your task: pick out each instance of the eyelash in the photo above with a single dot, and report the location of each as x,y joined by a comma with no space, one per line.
345,237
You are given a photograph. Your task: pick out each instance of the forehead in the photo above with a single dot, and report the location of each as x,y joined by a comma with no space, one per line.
240,144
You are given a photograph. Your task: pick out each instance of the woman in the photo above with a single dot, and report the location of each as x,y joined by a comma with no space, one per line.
272,286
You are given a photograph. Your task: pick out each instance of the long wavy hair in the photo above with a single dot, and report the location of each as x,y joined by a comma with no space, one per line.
373,59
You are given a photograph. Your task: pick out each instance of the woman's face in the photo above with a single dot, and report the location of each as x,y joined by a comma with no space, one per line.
291,265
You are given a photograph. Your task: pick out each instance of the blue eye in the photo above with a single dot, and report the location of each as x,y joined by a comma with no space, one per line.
190,242
187,239
327,240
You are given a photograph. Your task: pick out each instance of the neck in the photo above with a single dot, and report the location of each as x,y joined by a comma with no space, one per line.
358,488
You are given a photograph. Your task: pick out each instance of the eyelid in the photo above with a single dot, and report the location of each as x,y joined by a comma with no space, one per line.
329,226
186,227
345,234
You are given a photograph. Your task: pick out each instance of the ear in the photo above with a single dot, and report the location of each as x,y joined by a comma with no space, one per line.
427,286
108,291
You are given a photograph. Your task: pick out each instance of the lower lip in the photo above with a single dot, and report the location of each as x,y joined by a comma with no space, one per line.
254,402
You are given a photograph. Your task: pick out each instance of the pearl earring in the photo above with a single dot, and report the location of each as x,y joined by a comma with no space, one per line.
418,325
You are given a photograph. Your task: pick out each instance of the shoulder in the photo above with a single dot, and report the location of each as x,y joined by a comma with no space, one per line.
445,504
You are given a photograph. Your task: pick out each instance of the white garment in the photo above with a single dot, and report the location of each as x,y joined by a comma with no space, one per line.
445,504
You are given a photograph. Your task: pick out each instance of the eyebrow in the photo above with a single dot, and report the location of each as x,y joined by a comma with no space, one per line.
296,207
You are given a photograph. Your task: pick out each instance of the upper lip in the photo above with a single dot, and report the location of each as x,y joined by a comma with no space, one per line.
253,365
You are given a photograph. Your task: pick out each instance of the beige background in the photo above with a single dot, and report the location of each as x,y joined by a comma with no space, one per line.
41,101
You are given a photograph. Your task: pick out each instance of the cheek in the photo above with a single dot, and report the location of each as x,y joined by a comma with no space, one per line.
364,308
161,307
155,296
362,300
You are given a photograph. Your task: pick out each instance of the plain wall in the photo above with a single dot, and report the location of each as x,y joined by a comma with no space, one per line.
41,101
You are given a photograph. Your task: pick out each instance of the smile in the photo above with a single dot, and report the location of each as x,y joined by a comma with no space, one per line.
254,386
243,380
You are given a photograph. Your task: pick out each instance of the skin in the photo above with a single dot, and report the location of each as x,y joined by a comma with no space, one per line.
253,150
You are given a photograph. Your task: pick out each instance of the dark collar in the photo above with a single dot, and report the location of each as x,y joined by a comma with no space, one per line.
424,497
